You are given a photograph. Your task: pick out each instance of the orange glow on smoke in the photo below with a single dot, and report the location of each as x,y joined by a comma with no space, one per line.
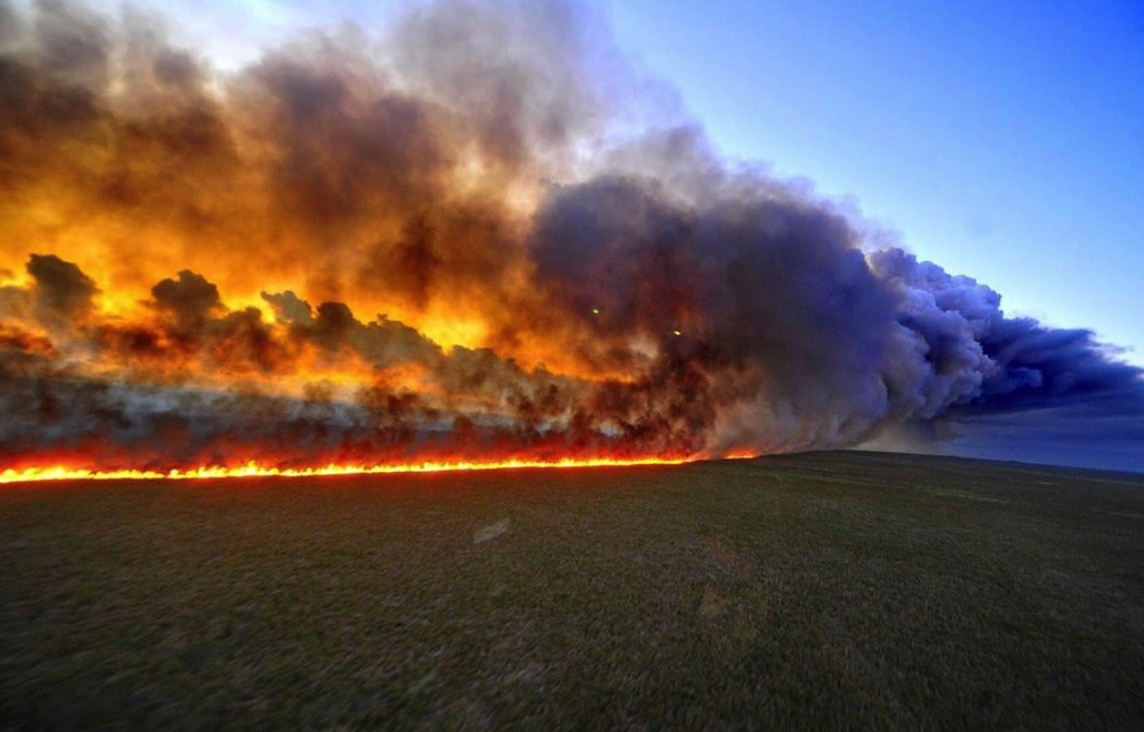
254,470
319,265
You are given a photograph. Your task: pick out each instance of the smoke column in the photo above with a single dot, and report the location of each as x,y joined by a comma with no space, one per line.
475,236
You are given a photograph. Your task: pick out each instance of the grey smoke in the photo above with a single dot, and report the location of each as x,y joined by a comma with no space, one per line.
743,312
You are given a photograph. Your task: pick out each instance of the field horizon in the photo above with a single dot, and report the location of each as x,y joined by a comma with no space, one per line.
851,588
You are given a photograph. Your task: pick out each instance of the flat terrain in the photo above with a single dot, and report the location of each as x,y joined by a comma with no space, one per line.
832,590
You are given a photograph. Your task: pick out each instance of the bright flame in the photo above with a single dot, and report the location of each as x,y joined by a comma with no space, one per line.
254,470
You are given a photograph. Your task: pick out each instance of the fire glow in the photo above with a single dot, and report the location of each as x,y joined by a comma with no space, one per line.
453,249
254,470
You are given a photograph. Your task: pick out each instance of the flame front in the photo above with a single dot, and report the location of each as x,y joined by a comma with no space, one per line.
254,470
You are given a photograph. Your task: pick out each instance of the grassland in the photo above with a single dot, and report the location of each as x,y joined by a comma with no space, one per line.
834,590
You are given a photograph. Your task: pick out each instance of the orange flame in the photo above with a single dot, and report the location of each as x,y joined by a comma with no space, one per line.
255,470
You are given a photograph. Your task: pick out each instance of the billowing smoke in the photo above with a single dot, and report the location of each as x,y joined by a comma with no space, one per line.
187,258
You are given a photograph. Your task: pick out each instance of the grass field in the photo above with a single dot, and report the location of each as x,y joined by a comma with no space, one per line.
830,590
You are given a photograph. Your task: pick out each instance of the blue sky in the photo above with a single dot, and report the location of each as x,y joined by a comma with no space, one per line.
1001,140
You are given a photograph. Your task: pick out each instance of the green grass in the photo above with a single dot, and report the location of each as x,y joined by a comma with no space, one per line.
832,590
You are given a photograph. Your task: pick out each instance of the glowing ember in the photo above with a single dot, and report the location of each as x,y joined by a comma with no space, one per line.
254,470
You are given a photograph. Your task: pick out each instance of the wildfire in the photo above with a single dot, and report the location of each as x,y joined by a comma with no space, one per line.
420,258
255,470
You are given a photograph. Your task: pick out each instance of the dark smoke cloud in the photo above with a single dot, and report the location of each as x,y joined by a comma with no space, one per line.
61,290
190,300
1016,389
636,293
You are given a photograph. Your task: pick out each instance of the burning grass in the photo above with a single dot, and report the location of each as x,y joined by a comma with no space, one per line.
823,590
256,470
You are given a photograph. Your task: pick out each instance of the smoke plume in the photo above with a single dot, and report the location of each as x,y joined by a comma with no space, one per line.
457,239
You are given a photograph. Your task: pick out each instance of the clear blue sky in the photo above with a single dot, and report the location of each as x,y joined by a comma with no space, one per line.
1003,140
